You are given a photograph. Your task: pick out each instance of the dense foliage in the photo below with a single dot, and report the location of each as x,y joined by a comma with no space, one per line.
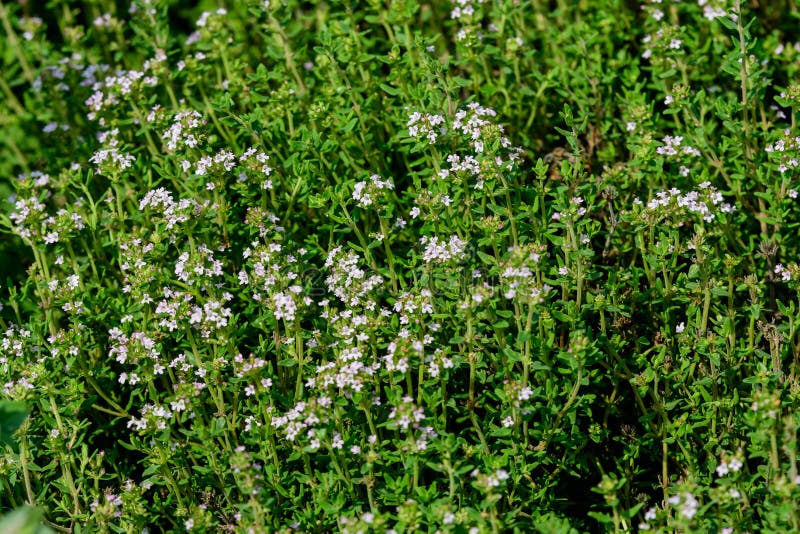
454,266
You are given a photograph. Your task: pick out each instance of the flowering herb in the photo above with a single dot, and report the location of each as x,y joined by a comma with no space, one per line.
456,266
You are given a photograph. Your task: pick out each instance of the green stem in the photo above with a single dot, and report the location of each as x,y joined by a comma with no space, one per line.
510,211
706,308
389,256
23,458
288,54
13,41
472,415
65,462
298,347
119,410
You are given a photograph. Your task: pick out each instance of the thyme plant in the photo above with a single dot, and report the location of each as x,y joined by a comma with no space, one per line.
400,266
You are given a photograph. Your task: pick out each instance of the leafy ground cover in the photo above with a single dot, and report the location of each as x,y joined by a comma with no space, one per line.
446,266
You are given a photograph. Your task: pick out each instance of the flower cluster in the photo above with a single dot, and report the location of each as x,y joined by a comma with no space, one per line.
406,415
462,169
732,465
255,165
574,210
218,164
153,418
110,507
213,315
650,515
304,420
366,193
414,307
518,273
18,348
489,481
476,124
137,272
785,151
437,362
184,132
350,283
467,13
66,294
32,222
121,84
517,393
400,351
713,9
208,23
134,349
348,373
425,125
264,222
663,46
440,251
252,365
172,307
198,267
789,273
685,503
174,213
674,147
706,203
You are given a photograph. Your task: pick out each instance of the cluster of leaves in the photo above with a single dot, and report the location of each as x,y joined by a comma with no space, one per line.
453,266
